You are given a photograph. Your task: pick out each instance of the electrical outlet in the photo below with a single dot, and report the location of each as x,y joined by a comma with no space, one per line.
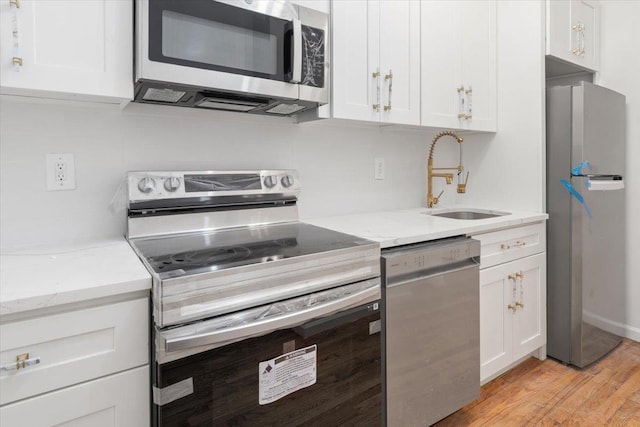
379,168
60,172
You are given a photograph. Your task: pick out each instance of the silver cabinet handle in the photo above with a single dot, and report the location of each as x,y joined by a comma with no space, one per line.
390,78
22,361
464,102
297,52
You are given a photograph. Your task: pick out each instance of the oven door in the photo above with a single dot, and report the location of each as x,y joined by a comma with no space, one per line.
228,45
323,371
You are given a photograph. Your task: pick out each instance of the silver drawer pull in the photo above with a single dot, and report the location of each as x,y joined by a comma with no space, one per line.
22,361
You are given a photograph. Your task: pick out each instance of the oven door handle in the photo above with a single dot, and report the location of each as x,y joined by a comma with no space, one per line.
265,326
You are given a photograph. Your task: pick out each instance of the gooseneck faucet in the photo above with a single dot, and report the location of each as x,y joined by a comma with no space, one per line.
431,200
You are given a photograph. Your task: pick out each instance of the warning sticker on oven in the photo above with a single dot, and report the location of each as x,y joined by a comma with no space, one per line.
285,374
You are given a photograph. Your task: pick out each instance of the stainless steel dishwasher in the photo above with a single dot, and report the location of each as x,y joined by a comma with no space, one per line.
431,330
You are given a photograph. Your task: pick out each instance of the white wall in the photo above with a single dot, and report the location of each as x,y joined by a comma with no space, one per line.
620,65
336,162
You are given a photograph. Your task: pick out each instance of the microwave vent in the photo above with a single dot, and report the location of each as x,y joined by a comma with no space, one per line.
231,106
163,95
285,109
230,102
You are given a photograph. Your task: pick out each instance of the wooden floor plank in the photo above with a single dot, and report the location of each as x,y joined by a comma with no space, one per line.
628,415
518,404
610,404
549,393
502,397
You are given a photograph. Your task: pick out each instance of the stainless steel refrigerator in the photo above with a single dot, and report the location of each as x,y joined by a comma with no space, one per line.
586,228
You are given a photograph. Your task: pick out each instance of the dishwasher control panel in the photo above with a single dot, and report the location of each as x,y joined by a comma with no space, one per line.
429,255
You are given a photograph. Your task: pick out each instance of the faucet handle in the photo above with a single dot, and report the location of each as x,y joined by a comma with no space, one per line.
462,188
437,198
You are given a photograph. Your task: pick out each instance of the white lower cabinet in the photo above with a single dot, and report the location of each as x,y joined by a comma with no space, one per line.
116,400
85,367
512,316
512,304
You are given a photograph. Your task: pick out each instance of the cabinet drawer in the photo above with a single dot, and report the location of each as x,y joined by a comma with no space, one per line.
117,400
73,347
506,245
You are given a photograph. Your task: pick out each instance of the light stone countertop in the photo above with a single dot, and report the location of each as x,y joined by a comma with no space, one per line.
46,277
41,278
403,227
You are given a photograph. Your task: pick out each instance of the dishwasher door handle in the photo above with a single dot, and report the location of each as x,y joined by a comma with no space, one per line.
265,326
469,264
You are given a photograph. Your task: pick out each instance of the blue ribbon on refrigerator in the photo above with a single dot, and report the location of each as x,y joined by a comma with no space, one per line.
577,171
577,195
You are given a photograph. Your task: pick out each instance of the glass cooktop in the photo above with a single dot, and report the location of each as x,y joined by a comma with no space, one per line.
195,253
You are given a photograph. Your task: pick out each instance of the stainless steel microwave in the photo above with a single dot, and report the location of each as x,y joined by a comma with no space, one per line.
255,56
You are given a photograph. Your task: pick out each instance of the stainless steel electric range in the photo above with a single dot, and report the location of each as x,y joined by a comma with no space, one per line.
259,319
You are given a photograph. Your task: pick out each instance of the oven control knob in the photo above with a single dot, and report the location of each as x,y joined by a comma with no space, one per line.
287,181
270,181
146,185
172,184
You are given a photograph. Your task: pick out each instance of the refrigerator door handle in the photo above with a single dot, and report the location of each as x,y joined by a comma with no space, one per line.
602,177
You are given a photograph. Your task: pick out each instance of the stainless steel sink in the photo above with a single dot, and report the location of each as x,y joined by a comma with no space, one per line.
468,214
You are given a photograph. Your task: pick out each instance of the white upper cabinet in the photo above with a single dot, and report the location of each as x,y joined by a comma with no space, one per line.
376,61
400,61
67,49
573,32
458,64
356,57
319,5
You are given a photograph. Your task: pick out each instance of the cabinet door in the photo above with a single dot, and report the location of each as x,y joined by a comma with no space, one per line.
441,64
497,247
400,61
573,32
319,5
69,49
529,326
478,27
73,347
116,400
355,60
496,320
585,33
458,53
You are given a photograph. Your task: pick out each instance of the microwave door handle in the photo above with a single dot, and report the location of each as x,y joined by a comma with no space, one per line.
297,52
265,326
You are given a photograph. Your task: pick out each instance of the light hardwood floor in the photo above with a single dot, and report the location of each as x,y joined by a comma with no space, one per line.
548,393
